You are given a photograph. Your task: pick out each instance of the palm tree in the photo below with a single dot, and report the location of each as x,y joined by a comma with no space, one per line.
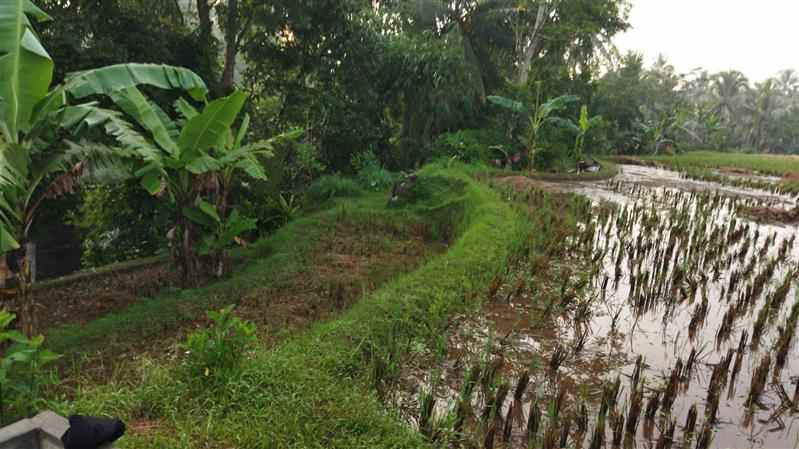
762,104
481,26
788,82
728,87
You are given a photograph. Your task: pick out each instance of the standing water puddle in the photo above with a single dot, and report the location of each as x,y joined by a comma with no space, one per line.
668,322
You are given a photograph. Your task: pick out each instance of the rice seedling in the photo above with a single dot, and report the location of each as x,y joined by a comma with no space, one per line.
616,427
636,373
427,406
559,355
739,356
652,406
598,436
582,420
705,437
564,433
490,436
671,388
634,410
667,437
551,436
758,382
690,424
533,423
493,409
787,332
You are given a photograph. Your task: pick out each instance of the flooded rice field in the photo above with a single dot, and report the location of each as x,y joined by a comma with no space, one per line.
662,318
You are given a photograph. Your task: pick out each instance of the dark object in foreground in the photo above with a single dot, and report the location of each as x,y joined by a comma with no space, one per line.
86,432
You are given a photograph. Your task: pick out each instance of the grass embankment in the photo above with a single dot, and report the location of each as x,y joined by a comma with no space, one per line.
608,170
766,164
717,166
318,389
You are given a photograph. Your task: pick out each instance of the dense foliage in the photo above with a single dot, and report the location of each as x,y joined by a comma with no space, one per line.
654,109
377,87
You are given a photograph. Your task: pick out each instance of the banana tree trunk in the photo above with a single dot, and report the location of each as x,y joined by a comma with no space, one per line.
26,276
4,272
191,275
219,258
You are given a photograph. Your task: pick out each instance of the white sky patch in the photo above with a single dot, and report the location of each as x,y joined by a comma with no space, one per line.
757,37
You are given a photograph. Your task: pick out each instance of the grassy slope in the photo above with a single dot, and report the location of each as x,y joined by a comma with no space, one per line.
763,163
318,390
268,261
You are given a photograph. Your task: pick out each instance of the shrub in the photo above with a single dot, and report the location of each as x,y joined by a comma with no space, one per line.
471,145
332,186
22,371
370,173
120,223
215,354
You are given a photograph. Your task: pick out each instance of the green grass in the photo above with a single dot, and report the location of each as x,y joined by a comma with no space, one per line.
319,389
762,163
266,262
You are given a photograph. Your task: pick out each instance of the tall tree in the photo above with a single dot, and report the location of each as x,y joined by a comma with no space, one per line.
231,46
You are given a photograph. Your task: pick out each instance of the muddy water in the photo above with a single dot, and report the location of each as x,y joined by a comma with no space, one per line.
665,268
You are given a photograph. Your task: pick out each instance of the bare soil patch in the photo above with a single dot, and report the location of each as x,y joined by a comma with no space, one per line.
89,299
772,215
344,265
524,184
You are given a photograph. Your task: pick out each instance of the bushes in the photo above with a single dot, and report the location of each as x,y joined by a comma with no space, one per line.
471,145
370,173
22,371
215,354
332,186
120,223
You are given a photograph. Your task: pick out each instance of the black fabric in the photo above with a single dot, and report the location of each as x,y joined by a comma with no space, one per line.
87,432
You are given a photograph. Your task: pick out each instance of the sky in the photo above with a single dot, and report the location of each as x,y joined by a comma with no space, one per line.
757,37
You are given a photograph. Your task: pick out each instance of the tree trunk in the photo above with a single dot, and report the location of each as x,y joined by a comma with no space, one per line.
206,26
208,43
231,47
25,279
530,46
4,273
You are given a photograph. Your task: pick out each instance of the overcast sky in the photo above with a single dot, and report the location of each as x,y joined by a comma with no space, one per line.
757,37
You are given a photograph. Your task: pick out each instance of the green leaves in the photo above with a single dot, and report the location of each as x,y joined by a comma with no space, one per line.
21,365
219,233
115,78
556,104
515,106
26,69
136,105
211,127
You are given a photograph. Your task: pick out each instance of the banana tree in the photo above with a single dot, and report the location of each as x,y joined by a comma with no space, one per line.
194,160
221,224
585,124
580,128
39,124
538,115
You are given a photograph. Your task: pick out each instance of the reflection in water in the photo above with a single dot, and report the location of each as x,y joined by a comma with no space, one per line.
666,288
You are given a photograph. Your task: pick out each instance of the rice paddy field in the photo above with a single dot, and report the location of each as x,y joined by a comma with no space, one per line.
659,316
778,165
